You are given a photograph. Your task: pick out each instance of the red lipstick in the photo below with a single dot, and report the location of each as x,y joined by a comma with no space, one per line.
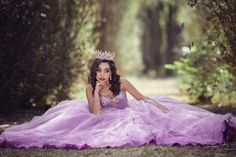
101,79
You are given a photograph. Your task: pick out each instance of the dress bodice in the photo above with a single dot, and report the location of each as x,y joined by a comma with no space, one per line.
120,101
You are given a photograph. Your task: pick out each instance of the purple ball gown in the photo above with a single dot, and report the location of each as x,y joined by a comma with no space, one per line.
120,123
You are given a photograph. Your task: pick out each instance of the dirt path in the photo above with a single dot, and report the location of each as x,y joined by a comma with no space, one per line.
158,87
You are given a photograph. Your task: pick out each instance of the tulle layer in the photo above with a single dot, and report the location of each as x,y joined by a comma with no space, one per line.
71,125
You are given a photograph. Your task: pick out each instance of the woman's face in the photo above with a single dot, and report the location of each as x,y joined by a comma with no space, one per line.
103,72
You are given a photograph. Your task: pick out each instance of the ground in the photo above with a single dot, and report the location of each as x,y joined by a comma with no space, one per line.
162,87
144,151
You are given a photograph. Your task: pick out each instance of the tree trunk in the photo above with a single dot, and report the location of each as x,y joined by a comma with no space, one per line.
151,38
109,24
172,32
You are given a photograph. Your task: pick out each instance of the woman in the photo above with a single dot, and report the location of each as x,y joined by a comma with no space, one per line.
108,119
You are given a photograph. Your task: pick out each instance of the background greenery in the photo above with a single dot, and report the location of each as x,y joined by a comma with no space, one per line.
43,45
47,46
208,70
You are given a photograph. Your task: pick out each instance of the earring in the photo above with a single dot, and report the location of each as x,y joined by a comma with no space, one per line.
110,78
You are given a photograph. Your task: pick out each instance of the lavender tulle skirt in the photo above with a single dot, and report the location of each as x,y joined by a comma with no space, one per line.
71,125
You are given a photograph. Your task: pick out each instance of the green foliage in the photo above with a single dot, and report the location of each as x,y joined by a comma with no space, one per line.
208,72
42,45
128,39
192,22
222,19
120,33
204,75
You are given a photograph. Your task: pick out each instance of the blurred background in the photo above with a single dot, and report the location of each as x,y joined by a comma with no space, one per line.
182,49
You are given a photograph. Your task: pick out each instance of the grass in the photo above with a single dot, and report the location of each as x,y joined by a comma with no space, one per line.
144,151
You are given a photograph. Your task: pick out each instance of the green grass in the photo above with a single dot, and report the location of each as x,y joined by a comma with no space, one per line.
144,151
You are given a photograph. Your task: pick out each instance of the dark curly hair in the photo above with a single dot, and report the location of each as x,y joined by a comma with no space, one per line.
115,81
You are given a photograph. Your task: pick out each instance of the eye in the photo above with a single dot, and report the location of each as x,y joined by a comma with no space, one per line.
107,71
98,70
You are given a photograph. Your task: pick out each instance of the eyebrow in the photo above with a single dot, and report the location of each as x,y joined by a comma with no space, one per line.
104,69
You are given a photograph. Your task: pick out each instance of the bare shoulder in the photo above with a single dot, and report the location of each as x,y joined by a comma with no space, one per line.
127,86
124,83
89,88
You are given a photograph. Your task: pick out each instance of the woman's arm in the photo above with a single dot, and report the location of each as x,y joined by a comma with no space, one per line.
93,100
126,85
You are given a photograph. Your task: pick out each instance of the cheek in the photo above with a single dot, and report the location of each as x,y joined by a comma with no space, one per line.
108,75
97,75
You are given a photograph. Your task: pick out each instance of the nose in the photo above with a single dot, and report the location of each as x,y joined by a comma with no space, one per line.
102,73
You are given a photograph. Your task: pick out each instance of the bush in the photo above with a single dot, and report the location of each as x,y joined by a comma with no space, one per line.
209,71
222,17
205,76
40,56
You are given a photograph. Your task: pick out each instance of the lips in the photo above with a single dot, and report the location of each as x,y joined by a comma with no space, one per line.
101,79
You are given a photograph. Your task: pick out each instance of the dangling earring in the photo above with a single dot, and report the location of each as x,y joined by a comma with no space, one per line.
110,78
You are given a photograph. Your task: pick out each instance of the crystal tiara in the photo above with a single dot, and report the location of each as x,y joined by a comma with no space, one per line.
104,55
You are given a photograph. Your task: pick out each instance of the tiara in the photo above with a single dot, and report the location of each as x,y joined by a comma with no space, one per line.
104,55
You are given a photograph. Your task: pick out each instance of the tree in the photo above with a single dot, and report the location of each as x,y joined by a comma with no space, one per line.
40,58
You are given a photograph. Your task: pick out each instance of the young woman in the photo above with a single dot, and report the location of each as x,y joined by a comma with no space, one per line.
108,119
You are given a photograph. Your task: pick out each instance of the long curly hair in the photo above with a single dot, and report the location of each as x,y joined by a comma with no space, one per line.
114,82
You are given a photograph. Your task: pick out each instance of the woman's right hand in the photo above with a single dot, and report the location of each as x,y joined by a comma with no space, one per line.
98,87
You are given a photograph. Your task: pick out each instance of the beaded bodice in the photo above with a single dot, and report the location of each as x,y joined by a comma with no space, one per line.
120,101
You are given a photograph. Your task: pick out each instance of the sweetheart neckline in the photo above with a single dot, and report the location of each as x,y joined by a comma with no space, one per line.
114,96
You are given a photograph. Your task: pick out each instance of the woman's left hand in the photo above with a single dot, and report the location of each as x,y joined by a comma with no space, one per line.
163,108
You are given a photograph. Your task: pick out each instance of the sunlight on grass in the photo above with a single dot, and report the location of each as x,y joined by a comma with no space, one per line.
3,126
